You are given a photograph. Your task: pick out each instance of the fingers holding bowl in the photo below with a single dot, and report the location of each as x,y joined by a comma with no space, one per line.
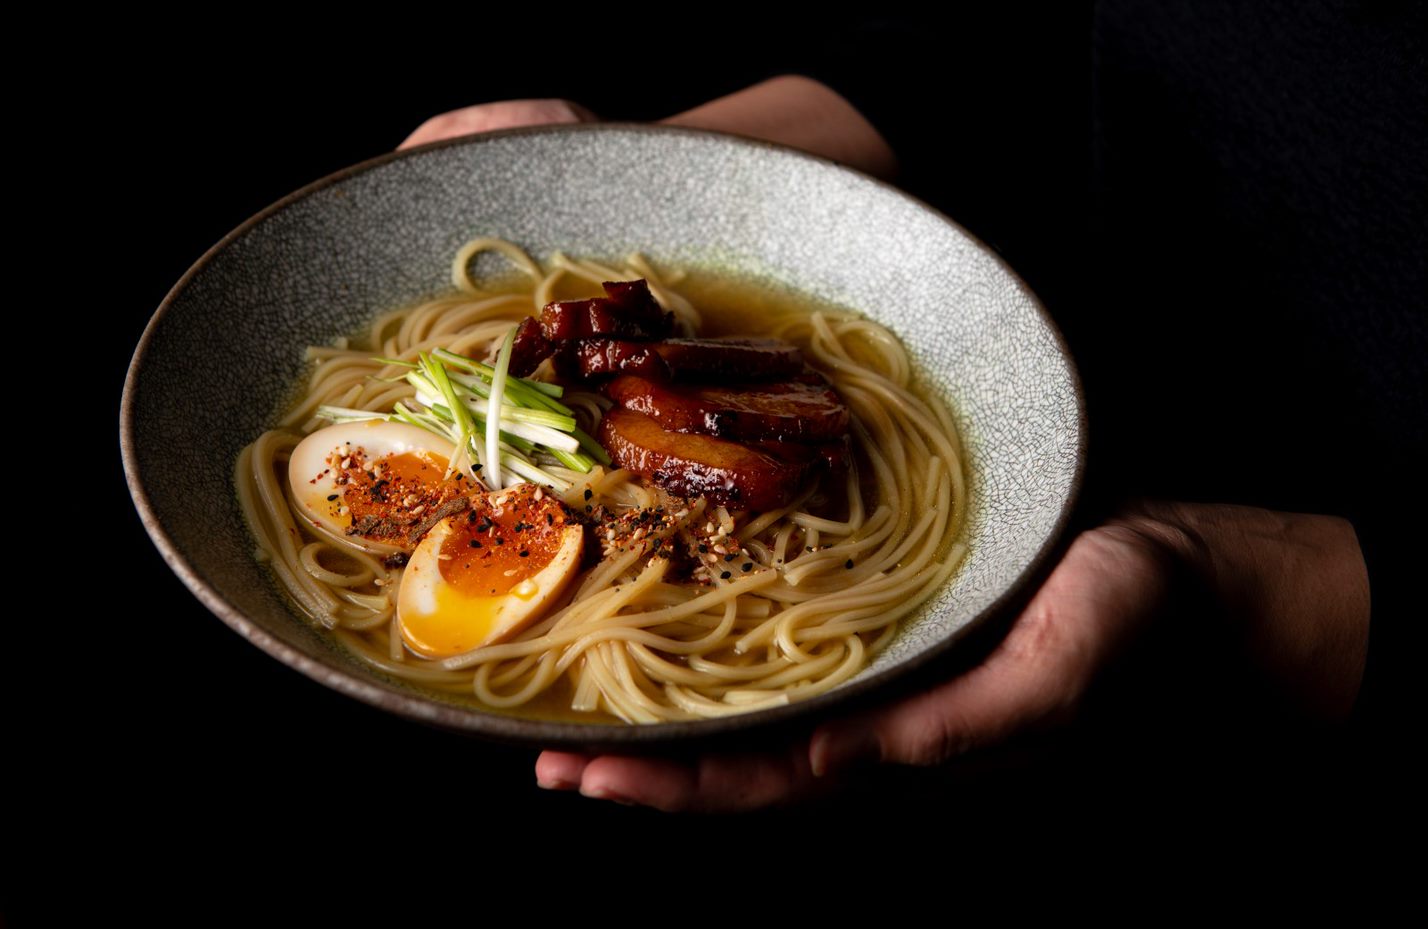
502,114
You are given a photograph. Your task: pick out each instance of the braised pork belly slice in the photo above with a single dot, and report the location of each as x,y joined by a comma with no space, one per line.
726,360
729,473
804,409
627,311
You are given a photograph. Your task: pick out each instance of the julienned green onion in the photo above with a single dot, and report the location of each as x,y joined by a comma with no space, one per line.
493,421
457,396
488,372
461,417
595,449
539,416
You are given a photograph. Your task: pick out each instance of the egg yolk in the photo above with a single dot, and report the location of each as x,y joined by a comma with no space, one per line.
483,575
493,548
383,499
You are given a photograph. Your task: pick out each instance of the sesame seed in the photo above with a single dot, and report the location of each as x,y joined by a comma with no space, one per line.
724,575
748,566
538,494
411,500
346,463
331,497
510,572
848,564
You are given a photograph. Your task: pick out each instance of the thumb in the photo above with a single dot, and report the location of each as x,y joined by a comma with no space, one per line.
930,728
1098,596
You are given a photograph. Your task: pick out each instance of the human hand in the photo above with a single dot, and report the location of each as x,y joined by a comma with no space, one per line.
791,110
1111,583
1291,597
502,114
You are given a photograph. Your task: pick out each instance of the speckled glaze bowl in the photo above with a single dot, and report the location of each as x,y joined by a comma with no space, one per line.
326,259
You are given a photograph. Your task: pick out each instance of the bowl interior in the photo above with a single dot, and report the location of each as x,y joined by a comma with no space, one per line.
221,357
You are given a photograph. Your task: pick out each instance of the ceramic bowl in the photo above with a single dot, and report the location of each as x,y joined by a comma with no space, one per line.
220,356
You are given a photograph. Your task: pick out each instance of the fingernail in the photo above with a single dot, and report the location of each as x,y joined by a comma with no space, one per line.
555,783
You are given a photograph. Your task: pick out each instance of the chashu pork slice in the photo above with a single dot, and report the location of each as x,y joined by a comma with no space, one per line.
730,473
805,409
719,359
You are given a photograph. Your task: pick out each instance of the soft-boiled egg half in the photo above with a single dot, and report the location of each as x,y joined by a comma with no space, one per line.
482,576
374,483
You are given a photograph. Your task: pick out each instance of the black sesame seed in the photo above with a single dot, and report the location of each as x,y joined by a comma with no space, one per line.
525,554
730,557
331,497
550,519
475,543
848,564
724,575
589,493
748,566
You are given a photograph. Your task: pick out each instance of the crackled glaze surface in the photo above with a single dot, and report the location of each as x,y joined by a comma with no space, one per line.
330,257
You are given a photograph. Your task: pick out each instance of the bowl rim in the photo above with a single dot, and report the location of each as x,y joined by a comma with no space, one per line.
546,733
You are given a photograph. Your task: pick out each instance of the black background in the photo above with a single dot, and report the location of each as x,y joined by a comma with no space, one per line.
239,775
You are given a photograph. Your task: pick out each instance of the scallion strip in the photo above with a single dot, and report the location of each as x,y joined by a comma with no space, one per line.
342,414
460,414
493,421
595,449
489,373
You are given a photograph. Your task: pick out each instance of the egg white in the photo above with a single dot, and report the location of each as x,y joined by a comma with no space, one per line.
314,480
438,621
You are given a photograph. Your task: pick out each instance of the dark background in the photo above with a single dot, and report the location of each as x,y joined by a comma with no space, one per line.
202,744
